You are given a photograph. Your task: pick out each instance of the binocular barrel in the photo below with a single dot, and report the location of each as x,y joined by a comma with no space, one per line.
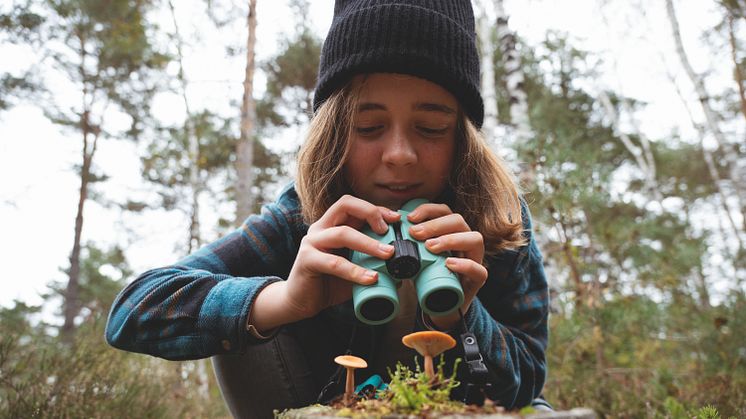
438,289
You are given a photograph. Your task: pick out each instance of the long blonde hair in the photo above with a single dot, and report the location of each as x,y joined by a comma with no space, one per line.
484,190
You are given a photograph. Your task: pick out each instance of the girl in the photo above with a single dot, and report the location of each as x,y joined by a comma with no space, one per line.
397,117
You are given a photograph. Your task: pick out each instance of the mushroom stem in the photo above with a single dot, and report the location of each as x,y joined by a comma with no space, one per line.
349,384
429,370
350,362
429,344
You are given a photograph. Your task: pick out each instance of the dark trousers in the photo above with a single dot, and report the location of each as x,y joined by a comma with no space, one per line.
287,371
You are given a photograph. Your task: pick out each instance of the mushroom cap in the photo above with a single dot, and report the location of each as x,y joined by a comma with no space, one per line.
429,343
351,361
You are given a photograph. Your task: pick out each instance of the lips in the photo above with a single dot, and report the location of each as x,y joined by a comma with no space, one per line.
399,187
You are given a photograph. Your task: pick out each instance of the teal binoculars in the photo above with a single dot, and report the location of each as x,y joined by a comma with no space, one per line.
438,289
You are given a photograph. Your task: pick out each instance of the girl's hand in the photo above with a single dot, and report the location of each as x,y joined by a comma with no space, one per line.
443,230
319,277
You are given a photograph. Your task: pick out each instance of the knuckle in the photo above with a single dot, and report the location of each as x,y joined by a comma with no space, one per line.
305,242
334,264
357,271
372,244
345,232
305,252
347,199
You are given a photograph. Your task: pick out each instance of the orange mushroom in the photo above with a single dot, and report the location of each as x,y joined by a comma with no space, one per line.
429,344
350,362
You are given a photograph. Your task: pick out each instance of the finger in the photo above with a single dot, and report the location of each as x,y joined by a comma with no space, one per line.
470,244
428,211
473,275
353,211
337,266
449,223
349,238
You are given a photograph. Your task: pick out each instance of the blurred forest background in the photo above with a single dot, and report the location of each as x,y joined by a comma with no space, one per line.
643,231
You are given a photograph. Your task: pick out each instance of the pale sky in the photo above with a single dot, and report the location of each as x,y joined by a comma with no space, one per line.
39,190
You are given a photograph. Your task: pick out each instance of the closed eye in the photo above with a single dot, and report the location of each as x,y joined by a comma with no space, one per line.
368,130
432,132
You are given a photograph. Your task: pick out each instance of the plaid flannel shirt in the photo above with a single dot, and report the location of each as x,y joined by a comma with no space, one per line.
199,306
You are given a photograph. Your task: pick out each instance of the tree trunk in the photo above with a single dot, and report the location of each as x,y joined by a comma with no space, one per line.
245,147
737,75
486,50
71,303
730,152
710,163
519,114
72,299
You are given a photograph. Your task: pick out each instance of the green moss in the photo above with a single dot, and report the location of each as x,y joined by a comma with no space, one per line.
412,391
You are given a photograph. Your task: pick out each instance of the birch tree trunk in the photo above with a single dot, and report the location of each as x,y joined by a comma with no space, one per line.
729,150
519,115
709,162
486,50
737,75
245,147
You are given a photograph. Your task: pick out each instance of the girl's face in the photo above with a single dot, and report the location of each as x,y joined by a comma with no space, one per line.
403,141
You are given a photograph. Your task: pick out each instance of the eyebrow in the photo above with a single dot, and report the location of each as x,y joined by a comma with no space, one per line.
433,107
418,106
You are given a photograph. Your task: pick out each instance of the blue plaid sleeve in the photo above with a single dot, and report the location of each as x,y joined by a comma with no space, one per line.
509,318
199,306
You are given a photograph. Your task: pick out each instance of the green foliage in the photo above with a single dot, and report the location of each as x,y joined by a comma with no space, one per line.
43,377
104,50
166,161
675,410
585,188
103,273
291,76
636,328
648,356
12,87
20,23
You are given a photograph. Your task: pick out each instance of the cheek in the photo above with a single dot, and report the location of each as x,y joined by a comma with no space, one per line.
441,160
358,163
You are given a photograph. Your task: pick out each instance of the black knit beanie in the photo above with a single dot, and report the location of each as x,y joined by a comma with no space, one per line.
430,39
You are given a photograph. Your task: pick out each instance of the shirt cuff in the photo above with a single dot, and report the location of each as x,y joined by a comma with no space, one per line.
255,333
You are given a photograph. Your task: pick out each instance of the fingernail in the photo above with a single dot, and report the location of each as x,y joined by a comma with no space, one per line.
385,248
393,213
432,242
417,229
370,275
383,226
413,215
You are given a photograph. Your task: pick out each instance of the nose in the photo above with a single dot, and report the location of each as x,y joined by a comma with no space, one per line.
399,150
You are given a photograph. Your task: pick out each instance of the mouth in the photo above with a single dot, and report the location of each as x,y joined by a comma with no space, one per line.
399,188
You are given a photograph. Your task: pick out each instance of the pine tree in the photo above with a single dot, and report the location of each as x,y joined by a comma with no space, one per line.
104,51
